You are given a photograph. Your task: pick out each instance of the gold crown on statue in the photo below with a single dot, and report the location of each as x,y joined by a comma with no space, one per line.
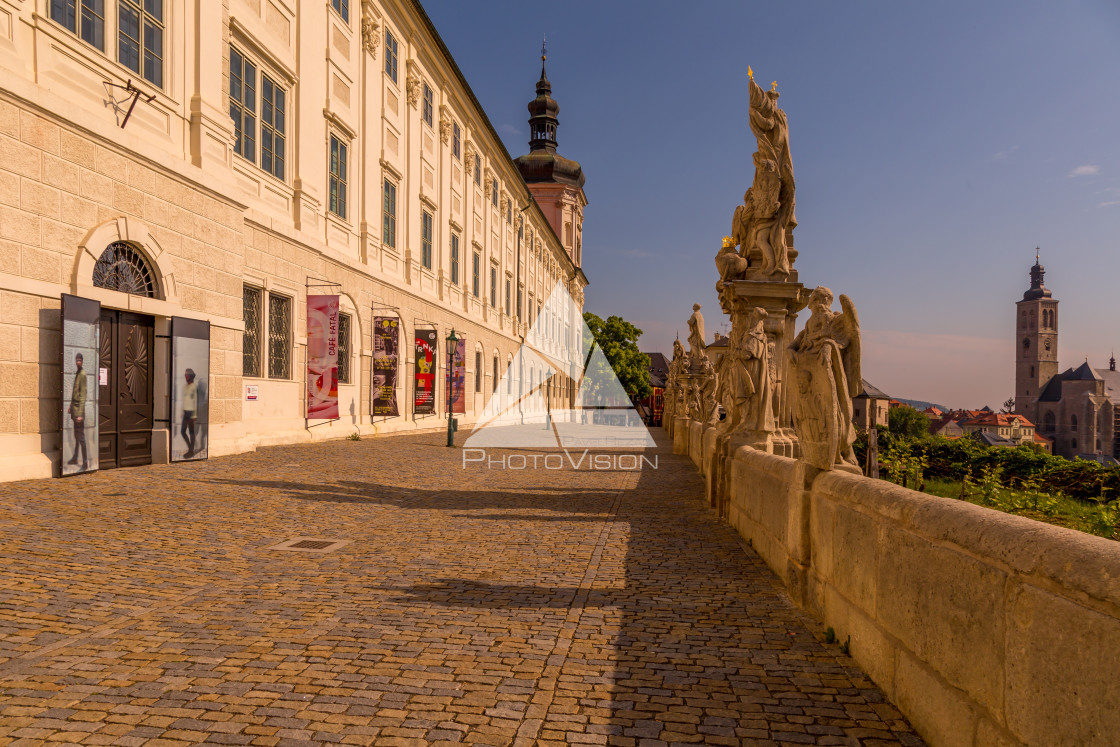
727,242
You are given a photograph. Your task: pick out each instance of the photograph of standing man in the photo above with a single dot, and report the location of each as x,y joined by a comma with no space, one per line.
190,412
78,396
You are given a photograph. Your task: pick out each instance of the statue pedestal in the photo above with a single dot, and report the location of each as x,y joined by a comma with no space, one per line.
781,300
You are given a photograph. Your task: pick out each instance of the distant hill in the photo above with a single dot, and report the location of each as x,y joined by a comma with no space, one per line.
920,405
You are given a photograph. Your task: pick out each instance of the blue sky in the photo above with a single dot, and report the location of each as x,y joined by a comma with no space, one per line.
934,145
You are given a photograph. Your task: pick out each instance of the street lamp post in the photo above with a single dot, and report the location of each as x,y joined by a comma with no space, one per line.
452,345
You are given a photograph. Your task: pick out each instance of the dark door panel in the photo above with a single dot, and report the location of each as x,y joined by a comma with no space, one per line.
127,401
107,393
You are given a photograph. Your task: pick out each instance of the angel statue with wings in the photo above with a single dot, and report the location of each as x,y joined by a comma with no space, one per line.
825,362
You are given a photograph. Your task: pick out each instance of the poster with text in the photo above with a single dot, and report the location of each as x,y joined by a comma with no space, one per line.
81,347
190,389
386,355
424,402
459,379
322,357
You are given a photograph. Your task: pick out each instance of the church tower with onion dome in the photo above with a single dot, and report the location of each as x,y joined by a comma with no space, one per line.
556,182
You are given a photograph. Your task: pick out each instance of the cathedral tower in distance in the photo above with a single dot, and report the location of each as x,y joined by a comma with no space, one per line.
1036,335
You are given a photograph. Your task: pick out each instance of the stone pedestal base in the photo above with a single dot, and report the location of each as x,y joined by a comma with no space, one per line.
781,301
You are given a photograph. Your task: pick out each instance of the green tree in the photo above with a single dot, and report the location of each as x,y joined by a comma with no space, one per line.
906,422
618,339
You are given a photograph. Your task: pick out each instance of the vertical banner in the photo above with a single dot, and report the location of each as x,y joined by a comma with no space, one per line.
190,389
424,402
386,346
322,357
81,372
459,379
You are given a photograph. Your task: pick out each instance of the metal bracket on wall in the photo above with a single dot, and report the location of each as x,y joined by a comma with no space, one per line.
134,93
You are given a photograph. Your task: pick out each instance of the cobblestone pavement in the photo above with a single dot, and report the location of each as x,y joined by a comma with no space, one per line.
481,606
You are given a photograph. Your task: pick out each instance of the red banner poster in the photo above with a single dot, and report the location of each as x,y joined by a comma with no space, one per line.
424,402
322,357
459,379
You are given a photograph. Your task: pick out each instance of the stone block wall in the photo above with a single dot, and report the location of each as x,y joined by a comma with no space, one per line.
982,627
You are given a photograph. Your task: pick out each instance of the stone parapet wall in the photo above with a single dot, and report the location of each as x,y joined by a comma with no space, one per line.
982,627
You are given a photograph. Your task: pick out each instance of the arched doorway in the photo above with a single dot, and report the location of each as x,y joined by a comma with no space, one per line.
126,408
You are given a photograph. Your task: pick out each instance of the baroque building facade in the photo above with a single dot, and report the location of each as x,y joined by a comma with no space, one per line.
229,158
1079,408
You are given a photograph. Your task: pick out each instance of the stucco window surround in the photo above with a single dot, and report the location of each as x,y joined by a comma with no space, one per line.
274,127
139,236
134,38
338,175
349,307
267,339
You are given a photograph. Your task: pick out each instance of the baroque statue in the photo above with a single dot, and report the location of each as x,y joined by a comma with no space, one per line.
695,405
696,335
745,381
679,364
759,225
709,414
825,361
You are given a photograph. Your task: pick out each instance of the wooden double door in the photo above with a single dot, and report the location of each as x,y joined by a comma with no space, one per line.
127,404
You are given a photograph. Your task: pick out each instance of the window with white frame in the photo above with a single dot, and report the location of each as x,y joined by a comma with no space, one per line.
267,339
454,259
391,52
140,31
456,141
426,239
428,106
247,96
389,214
494,286
476,271
343,348
86,18
140,38
337,177
279,337
509,291
477,170
343,8
253,303
494,191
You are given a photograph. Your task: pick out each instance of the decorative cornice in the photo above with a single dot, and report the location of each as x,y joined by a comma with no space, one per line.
371,29
338,124
245,37
390,168
444,123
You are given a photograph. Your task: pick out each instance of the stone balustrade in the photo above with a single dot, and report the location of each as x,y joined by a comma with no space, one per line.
984,628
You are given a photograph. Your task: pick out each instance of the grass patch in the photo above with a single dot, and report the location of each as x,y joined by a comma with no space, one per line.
1100,519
